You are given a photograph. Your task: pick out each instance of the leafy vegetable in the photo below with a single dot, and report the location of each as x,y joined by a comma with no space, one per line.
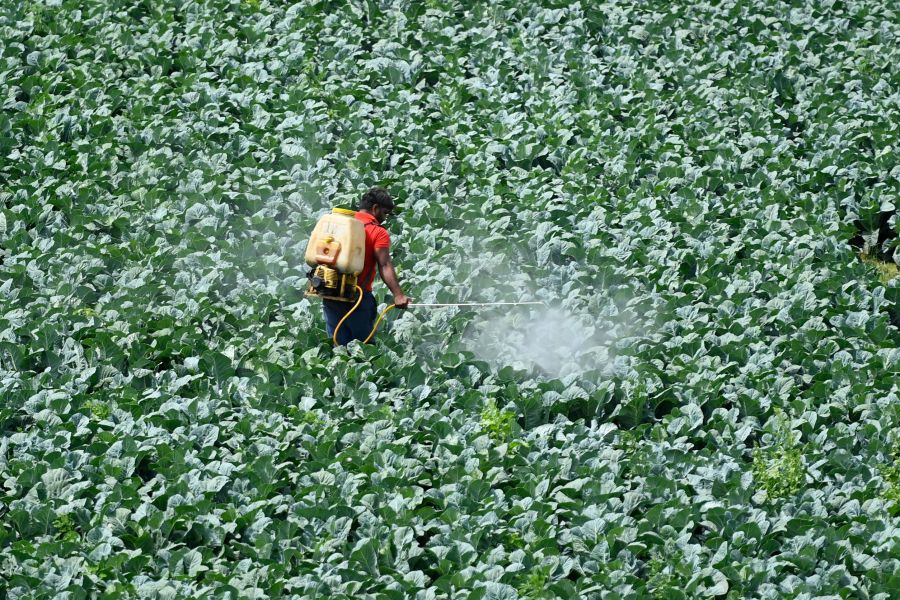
687,184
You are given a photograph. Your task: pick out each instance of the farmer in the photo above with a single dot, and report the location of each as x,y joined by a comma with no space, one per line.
374,207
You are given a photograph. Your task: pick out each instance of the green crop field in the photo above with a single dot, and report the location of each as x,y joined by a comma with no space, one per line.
703,192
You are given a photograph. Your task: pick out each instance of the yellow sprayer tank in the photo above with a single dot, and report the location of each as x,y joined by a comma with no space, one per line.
338,241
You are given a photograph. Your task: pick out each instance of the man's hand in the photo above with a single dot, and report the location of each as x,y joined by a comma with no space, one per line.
401,301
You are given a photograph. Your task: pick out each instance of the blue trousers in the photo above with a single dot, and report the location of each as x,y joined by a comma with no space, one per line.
358,326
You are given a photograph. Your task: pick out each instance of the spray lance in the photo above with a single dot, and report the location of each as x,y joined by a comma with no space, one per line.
476,304
336,254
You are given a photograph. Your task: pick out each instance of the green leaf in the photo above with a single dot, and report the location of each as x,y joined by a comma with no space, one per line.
499,591
217,366
365,555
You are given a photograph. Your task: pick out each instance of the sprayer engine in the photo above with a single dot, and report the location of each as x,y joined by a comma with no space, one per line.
326,282
336,254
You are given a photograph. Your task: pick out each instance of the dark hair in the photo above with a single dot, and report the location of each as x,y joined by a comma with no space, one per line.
376,196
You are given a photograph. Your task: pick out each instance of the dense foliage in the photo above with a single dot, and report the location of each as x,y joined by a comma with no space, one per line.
684,179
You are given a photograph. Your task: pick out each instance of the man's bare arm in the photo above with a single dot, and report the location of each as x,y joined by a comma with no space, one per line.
389,276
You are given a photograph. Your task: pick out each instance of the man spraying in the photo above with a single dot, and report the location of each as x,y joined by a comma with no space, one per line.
375,206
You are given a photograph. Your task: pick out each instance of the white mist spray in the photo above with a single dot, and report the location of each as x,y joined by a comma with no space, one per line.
550,340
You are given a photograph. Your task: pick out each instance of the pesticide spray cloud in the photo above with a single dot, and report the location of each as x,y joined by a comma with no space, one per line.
549,340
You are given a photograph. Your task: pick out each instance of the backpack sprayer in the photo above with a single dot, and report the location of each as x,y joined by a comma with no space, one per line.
336,254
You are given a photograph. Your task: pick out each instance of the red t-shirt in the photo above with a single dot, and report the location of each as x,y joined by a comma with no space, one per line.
376,237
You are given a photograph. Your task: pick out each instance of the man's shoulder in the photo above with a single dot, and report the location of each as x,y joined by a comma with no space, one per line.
380,236
365,218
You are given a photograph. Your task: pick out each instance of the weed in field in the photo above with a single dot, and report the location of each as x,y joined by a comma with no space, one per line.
497,423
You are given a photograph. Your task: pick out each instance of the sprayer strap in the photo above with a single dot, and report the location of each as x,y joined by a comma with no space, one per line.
371,279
